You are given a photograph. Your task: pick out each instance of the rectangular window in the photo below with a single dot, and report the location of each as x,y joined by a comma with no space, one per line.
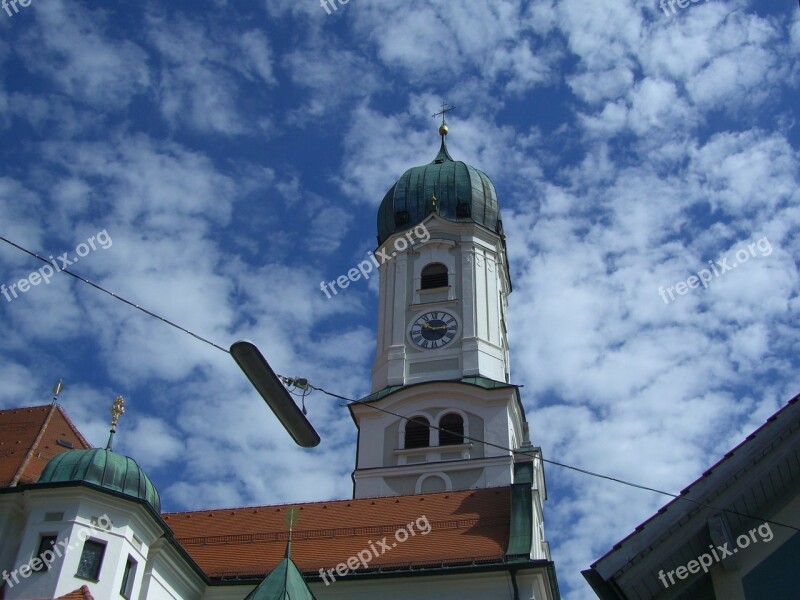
128,578
91,560
46,542
52,517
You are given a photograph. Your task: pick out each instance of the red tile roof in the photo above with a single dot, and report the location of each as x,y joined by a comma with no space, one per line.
465,526
248,542
82,594
28,439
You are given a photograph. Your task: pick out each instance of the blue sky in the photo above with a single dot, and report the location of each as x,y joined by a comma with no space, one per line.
235,155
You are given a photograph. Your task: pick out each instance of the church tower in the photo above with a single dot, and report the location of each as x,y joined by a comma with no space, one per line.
444,289
442,359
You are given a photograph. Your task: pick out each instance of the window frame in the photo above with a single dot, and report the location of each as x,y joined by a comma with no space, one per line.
43,537
100,544
452,436
417,420
128,578
437,280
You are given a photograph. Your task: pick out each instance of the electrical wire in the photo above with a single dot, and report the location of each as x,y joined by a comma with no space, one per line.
117,297
556,463
305,385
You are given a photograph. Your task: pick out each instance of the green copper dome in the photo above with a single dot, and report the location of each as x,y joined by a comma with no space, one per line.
463,194
104,468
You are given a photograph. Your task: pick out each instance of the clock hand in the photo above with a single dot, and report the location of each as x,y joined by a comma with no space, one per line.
427,325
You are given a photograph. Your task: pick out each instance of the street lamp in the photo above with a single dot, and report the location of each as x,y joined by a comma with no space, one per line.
263,378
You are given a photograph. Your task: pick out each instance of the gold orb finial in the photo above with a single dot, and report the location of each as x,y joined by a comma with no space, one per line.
443,129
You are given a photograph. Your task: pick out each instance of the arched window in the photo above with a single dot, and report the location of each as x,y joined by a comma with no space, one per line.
452,430
418,433
434,276
432,483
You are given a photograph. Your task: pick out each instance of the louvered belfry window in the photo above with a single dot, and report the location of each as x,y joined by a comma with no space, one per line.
452,430
434,276
418,433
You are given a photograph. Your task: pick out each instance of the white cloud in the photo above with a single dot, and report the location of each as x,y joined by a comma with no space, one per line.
199,74
75,50
628,150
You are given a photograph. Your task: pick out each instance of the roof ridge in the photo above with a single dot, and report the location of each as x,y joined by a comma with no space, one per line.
3,410
291,504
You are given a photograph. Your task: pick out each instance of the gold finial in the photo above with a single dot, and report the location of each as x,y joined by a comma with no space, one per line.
292,517
432,208
117,410
443,130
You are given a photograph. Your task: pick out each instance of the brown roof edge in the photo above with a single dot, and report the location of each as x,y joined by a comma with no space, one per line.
29,455
81,593
75,430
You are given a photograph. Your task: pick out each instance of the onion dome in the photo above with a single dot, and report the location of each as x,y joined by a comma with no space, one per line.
453,189
103,468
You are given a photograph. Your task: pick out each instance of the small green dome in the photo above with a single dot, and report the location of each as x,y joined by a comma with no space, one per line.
104,468
463,194
283,583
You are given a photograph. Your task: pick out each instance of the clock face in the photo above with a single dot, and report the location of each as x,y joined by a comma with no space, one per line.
434,329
